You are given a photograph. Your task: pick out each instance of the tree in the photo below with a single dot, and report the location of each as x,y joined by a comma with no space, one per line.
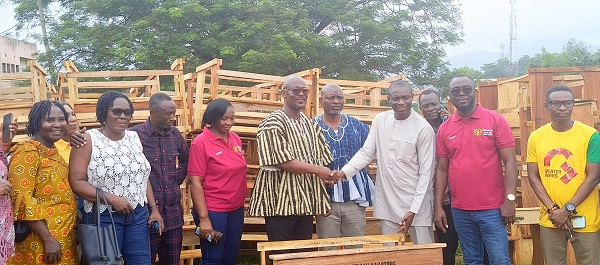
577,54
446,77
355,39
500,68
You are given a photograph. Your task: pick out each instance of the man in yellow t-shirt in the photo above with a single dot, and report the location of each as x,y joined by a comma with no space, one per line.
563,164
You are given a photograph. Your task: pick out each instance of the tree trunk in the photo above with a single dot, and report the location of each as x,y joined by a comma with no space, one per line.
50,62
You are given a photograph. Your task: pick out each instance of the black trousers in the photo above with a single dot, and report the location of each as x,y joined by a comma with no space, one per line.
293,227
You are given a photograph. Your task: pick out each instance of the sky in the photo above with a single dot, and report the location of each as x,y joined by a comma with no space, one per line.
486,22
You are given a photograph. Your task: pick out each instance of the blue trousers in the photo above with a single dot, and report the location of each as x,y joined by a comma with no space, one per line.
231,224
132,233
479,231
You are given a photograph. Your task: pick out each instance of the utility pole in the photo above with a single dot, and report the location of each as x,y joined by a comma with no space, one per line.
512,44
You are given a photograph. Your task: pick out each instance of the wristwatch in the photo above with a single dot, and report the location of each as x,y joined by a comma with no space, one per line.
570,207
511,197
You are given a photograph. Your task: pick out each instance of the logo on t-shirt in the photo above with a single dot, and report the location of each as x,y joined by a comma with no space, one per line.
483,132
566,173
237,148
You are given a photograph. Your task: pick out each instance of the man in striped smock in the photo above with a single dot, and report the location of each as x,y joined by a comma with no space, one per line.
293,155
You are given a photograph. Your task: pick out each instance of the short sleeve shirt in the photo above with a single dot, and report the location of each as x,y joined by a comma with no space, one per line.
562,158
223,167
475,169
282,193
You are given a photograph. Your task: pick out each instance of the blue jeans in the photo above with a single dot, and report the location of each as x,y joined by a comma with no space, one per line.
231,224
132,233
477,229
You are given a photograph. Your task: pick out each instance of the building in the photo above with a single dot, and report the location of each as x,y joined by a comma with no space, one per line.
14,54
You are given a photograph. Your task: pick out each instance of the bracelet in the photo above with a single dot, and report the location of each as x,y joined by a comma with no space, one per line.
151,206
552,208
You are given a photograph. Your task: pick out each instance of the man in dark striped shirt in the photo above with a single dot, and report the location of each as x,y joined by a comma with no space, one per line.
167,151
293,155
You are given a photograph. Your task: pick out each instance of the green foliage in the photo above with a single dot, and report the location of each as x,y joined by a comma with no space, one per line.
351,39
442,83
500,68
573,54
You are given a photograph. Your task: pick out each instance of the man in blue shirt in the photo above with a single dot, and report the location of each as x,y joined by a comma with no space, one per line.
349,198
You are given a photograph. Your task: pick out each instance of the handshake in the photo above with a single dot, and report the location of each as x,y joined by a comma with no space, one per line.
331,177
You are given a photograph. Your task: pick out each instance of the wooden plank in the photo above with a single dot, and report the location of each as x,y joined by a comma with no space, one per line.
21,97
115,84
328,242
394,78
16,76
98,95
251,77
15,90
368,85
255,89
508,95
207,65
539,84
190,253
584,112
487,94
33,64
424,254
591,89
122,73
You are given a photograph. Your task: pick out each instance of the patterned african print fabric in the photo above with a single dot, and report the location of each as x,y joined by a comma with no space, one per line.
41,175
7,232
282,193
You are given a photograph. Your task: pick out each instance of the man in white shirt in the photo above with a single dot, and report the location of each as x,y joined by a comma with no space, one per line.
403,143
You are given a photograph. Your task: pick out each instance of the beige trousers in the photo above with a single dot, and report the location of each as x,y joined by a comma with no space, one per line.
554,246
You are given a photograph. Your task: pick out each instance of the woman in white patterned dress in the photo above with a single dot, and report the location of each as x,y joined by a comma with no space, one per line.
115,163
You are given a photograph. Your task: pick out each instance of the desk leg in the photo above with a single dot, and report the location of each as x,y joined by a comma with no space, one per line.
263,258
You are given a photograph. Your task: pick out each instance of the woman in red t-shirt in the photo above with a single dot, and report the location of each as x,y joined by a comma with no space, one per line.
217,175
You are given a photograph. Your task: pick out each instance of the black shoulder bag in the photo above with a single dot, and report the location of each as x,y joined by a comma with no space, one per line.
99,245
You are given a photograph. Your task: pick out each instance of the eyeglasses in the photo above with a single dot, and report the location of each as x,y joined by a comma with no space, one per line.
118,112
555,104
297,91
466,90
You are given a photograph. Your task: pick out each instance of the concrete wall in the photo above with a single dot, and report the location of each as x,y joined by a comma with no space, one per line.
15,53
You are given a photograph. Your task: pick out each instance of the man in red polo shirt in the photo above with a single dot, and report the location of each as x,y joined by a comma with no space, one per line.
471,148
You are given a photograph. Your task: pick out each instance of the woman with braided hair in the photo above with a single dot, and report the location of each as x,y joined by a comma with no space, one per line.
41,194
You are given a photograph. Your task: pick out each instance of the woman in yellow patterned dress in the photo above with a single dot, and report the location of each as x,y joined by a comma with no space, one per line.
40,175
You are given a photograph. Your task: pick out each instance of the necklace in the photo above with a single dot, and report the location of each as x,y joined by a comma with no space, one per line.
342,126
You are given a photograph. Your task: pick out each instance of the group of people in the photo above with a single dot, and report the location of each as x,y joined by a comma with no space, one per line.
458,172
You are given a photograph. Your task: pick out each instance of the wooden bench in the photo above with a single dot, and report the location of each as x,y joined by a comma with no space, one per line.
430,253
424,254
263,247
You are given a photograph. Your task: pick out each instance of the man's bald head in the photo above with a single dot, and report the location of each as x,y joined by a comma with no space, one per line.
330,88
293,81
294,93
400,84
